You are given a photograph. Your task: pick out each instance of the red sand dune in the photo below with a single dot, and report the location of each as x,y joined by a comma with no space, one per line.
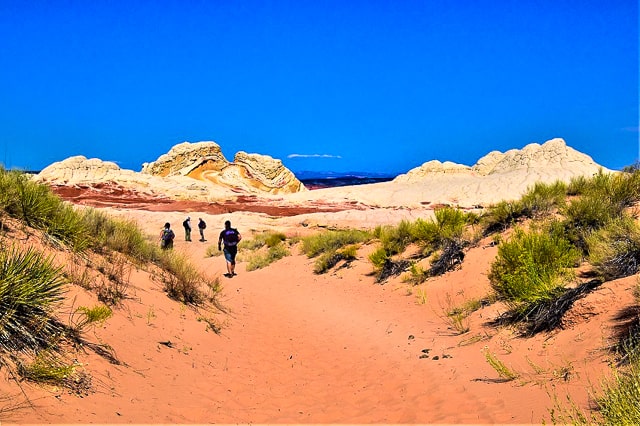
296,347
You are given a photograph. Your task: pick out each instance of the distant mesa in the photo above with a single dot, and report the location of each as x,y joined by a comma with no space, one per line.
189,170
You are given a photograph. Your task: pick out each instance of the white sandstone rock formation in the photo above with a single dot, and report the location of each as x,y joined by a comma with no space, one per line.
196,171
204,161
495,177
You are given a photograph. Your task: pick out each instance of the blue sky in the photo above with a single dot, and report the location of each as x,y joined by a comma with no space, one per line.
373,86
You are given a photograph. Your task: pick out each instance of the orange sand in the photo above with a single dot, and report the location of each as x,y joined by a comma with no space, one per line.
296,347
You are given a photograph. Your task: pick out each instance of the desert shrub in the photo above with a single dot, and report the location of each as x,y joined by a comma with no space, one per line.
38,207
394,239
330,241
85,316
182,280
263,259
47,367
577,185
328,260
532,267
123,236
259,240
619,189
501,216
614,250
500,367
417,274
450,255
379,258
30,289
542,198
620,401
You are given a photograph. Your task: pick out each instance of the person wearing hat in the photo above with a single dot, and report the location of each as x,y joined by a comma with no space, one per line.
187,229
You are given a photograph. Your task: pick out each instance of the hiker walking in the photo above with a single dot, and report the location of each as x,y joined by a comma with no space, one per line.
231,237
201,227
187,229
166,237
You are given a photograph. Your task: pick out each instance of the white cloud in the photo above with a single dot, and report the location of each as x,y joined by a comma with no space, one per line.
313,156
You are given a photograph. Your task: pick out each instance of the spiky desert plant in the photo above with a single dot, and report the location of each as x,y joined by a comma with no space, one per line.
31,287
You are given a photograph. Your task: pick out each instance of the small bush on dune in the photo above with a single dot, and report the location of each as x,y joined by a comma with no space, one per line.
379,258
329,241
328,260
38,207
501,216
620,400
417,275
532,267
542,198
577,185
395,239
261,260
182,281
614,250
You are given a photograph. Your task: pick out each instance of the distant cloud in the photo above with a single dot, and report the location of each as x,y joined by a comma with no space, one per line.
313,156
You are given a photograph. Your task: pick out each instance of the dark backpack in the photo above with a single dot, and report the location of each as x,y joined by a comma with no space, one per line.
168,235
202,224
230,236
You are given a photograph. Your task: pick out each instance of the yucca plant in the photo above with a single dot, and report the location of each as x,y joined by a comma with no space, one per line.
30,289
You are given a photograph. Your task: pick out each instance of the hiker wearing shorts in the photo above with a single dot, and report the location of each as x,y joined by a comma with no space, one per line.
230,237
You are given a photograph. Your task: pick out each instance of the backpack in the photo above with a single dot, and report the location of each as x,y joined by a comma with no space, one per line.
230,236
168,235
202,224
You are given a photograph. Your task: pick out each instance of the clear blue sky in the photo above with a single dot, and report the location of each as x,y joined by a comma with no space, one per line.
375,86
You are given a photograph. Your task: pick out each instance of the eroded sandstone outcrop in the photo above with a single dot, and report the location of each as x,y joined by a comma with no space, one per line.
204,161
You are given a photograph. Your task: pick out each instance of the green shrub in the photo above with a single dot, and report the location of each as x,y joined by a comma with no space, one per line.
532,267
542,198
123,236
263,259
31,287
501,216
326,242
620,402
577,185
182,280
395,239
328,260
379,258
417,275
84,316
38,207
614,250
47,367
